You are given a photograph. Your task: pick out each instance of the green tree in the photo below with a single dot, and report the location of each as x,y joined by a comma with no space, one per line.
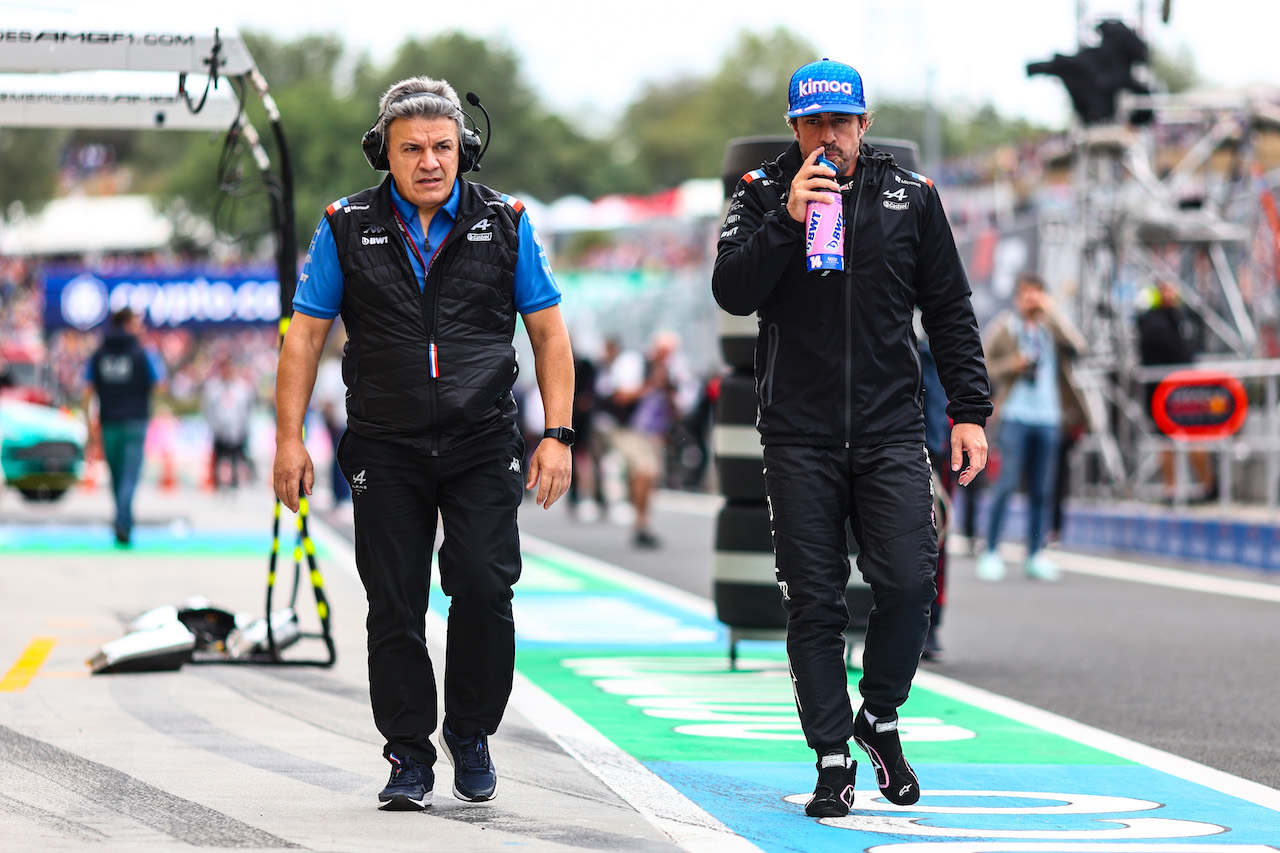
678,129
531,150
28,167
1175,70
321,130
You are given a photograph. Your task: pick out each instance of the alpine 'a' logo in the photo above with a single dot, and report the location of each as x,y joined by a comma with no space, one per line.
359,484
896,199
480,232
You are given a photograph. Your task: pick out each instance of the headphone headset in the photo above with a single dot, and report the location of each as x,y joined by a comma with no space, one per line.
374,141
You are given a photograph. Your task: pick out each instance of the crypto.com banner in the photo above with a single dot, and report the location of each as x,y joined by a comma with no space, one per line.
190,298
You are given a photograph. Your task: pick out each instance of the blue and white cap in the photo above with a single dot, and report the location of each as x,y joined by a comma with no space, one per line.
826,87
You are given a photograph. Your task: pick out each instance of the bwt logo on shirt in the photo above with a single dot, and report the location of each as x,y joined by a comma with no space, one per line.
374,235
809,87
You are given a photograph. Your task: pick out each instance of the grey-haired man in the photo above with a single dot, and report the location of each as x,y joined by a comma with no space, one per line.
428,272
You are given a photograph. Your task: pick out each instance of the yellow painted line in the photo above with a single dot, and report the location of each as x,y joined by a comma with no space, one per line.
29,663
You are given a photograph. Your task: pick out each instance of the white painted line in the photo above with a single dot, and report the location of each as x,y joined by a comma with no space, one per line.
1122,747
1125,570
332,541
617,574
1063,847
1082,563
688,825
665,807
1148,756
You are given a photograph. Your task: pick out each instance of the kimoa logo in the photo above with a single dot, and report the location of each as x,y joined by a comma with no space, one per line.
812,87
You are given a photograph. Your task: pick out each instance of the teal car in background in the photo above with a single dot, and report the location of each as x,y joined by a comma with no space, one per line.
41,449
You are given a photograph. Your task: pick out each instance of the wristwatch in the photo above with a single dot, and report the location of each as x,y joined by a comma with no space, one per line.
563,435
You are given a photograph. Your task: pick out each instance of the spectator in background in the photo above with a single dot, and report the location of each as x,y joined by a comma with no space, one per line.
587,483
330,399
1075,423
122,374
937,440
1029,356
226,402
642,399
1169,334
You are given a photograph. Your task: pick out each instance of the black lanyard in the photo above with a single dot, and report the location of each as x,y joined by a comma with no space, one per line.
408,238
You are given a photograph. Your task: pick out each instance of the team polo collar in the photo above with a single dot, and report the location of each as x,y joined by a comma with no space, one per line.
409,211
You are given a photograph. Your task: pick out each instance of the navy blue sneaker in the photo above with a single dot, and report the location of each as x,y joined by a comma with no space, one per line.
474,778
409,788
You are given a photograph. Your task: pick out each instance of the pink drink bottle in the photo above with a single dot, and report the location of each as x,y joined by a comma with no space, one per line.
824,231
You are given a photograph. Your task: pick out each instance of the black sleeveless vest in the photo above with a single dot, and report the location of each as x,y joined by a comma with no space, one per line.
428,368
122,379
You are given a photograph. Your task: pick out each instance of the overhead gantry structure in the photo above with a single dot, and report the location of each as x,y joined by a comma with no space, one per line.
1166,189
90,67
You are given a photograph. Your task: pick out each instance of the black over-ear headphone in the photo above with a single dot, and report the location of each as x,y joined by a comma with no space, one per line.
374,141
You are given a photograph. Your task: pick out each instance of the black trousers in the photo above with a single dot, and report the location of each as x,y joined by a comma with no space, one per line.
885,493
396,493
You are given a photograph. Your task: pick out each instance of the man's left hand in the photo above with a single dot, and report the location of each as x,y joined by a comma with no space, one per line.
550,470
971,439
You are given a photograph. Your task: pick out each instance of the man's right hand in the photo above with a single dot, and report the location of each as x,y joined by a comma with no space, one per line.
811,183
293,472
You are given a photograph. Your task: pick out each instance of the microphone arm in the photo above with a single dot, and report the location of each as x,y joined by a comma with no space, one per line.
474,100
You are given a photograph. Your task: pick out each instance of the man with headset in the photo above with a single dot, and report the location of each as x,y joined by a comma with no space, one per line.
428,272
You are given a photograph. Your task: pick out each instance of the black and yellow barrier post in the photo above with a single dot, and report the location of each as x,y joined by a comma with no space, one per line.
303,547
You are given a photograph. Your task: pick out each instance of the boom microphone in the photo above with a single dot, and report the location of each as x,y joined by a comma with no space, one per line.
474,100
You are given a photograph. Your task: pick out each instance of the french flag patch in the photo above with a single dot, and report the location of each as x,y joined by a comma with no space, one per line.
516,204
336,206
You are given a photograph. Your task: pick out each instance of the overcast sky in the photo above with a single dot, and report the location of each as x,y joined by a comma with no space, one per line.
588,58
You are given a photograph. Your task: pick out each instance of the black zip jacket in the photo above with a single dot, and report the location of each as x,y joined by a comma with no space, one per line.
837,362
430,368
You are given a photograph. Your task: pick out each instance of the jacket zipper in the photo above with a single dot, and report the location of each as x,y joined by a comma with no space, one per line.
850,233
432,353
429,322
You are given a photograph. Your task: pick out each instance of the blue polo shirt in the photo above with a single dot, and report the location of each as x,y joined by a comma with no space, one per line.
320,285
